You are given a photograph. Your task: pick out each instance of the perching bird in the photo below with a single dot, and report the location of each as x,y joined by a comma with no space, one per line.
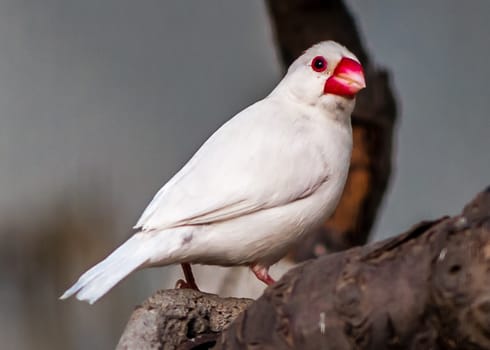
267,177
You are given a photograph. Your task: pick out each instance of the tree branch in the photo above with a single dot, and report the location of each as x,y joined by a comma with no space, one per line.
426,289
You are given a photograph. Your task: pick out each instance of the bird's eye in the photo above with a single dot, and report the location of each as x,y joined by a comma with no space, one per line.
319,64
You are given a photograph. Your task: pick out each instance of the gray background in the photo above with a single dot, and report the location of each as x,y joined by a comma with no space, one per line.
102,101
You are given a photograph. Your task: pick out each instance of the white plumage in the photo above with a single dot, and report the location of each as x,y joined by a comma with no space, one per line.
256,186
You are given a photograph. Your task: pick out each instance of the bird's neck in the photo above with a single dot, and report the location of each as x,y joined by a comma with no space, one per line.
335,108
338,108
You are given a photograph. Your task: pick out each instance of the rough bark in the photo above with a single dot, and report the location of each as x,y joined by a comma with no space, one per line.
299,24
169,318
428,288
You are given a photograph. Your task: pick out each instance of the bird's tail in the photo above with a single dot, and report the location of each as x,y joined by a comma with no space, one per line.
97,281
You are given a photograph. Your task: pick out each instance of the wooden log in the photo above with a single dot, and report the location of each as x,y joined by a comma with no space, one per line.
426,289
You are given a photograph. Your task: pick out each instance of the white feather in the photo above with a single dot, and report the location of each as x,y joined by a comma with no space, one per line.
255,161
131,255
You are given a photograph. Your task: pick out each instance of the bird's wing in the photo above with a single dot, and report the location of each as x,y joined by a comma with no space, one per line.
259,159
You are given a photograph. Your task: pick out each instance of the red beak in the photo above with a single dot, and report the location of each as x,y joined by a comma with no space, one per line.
347,79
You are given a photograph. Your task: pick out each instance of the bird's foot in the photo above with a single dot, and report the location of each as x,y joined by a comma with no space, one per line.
189,282
181,284
262,273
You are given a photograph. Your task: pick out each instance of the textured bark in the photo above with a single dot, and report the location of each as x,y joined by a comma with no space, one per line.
169,318
428,288
299,24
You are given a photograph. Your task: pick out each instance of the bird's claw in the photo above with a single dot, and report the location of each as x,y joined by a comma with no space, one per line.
189,282
181,284
262,273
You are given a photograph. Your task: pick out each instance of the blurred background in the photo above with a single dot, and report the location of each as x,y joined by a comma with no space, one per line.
101,102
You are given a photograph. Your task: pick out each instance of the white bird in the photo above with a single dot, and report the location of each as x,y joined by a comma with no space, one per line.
267,177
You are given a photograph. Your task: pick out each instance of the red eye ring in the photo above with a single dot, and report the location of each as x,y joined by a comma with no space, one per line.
319,64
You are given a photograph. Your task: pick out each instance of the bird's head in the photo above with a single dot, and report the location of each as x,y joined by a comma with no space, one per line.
326,75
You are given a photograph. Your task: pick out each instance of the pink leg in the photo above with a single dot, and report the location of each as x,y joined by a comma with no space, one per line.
190,282
262,273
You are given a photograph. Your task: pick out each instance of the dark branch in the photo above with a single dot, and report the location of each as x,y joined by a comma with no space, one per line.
426,289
